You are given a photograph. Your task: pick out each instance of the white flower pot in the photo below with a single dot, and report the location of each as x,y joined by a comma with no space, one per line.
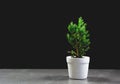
78,67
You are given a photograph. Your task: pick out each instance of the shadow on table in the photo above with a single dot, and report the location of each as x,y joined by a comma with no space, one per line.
56,78
98,79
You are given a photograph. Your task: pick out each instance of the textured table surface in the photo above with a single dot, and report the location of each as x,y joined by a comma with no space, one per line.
56,76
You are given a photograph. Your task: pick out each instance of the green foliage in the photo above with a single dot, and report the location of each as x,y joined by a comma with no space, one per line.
78,38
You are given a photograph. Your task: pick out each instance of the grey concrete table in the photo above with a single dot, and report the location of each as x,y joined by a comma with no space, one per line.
56,76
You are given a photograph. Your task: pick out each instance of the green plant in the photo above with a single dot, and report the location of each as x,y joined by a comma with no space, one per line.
78,38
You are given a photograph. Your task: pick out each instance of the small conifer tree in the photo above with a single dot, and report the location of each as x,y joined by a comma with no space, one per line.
78,38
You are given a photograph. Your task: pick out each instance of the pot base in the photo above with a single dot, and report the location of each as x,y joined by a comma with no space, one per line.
77,78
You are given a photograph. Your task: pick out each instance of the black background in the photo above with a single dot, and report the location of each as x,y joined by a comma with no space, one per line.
33,34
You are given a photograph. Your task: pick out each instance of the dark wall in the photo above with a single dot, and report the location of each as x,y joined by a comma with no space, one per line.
34,34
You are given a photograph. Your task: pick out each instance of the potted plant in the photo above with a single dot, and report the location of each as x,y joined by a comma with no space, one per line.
78,38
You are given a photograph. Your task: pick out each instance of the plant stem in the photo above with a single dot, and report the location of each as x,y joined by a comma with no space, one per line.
77,51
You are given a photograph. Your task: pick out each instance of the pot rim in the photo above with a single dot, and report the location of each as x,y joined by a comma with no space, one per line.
85,59
77,58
